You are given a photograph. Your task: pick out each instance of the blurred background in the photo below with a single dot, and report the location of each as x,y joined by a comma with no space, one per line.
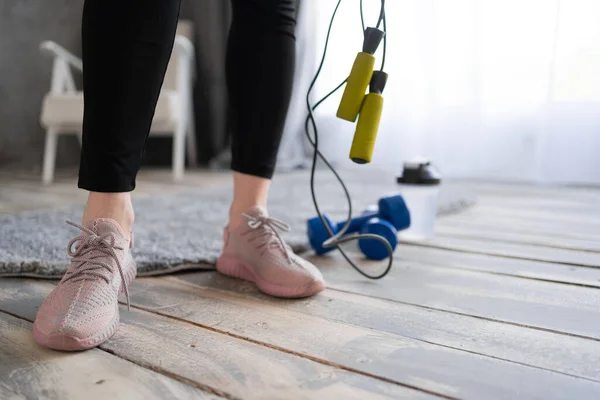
497,90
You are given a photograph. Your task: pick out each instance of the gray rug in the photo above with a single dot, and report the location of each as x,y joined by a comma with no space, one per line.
183,230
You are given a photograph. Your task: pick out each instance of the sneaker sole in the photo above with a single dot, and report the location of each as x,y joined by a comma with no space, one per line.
71,343
236,268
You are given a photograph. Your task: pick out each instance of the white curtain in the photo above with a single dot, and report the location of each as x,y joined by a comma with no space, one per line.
490,89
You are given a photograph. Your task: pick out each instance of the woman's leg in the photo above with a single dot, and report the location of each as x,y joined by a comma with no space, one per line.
260,69
126,49
260,64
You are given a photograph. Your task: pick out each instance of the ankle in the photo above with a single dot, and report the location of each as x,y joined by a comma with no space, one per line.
116,206
248,191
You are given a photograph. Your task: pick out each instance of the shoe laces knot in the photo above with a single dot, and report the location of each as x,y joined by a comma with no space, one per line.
270,234
87,257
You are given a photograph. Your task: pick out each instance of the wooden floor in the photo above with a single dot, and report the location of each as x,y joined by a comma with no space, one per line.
503,304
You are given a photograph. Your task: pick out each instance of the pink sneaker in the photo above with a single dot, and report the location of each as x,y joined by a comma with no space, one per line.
255,252
83,311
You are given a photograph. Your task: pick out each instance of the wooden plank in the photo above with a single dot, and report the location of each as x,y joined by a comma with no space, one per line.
67,177
544,305
539,348
542,203
13,200
499,265
398,357
543,228
28,371
558,307
487,231
225,364
585,229
542,349
419,359
513,250
197,178
567,218
528,190
568,205
557,209
24,192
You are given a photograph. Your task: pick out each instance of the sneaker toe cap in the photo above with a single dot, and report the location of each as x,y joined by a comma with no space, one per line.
66,313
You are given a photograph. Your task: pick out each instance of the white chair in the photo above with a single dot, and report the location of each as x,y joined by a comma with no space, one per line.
62,108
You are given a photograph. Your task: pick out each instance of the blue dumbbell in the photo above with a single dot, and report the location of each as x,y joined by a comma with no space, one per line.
391,209
373,248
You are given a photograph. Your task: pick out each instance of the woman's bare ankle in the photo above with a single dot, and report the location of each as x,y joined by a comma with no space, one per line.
116,206
248,191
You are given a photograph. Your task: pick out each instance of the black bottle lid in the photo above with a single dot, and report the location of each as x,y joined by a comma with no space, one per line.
419,172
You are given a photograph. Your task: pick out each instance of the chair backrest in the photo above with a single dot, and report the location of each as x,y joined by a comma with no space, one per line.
185,28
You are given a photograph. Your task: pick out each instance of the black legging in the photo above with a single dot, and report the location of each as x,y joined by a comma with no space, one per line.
126,49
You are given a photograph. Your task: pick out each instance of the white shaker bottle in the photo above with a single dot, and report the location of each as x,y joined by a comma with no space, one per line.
419,186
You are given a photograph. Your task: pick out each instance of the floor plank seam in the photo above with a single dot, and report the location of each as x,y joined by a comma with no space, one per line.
15,316
150,367
294,353
503,359
336,365
438,265
487,239
176,377
233,294
521,231
433,246
419,306
472,316
531,278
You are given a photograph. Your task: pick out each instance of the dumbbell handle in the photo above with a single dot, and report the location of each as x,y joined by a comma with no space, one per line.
357,222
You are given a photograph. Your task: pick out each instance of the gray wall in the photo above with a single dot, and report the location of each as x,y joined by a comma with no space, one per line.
25,77
25,74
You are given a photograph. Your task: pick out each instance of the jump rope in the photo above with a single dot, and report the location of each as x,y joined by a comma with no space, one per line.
354,104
